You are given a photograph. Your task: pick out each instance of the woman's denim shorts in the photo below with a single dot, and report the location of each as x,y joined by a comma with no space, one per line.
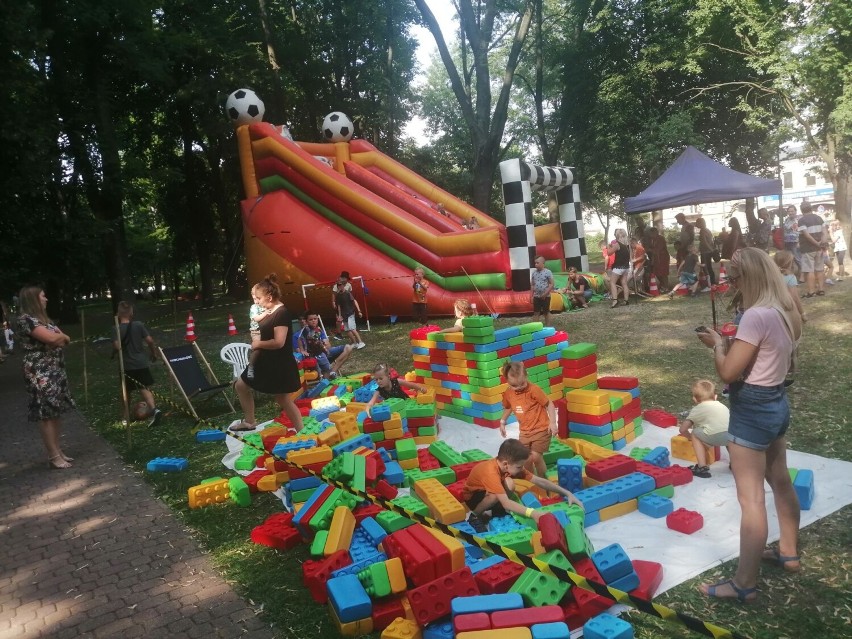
759,414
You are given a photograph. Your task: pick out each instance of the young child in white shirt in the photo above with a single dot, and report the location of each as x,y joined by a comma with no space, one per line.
706,424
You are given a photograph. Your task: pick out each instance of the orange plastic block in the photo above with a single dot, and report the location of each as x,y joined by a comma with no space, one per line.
682,449
445,508
328,437
214,492
571,382
453,545
353,408
306,456
274,431
396,433
272,482
348,428
424,439
297,438
617,510
357,628
621,433
587,450
395,422
588,398
401,628
409,464
502,633
535,542
340,532
396,574
523,486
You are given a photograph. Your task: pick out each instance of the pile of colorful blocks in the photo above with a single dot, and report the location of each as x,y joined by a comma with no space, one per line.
607,413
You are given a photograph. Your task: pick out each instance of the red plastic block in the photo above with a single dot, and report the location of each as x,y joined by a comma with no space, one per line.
316,573
431,601
586,567
472,622
426,460
570,364
577,373
660,418
456,490
591,420
633,409
650,577
375,466
277,532
387,491
552,534
618,383
526,617
685,521
590,604
385,611
556,338
498,578
367,510
547,501
298,473
463,470
417,563
369,426
441,557
662,476
681,475
610,467
417,422
573,617
561,416
255,476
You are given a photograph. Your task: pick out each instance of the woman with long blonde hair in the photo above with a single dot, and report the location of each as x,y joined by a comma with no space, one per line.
756,366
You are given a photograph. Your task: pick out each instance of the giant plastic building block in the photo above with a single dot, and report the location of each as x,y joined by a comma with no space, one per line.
277,532
167,465
443,507
316,573
497,579
351,602
612,562
610,468
805,488
685,521
606,626
650,577
526,617
402,628
340,531
660,418
553,630
214,492
655,506
552,533
432,600
488,603
210,435
570,474
538,589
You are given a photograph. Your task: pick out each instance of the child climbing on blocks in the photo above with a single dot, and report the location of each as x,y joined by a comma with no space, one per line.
463,309
256,314
535,413
390,386
489,484
706,424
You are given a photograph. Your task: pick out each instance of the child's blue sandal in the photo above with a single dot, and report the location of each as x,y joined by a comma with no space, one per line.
774,555
741,594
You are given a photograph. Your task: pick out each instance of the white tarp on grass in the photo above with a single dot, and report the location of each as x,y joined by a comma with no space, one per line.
643,537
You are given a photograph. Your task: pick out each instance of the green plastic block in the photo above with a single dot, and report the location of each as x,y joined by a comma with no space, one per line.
239,491
406,449
794,472
445,453
578,351
347,466
359,479
210,480
375,580
523,338
478,321
322,517
546,350
578,542
491,356
538,589
445,476
639,453
557,451
318,544
615,403
592,386
247,459
426,431
557,559
517,540
474,454
530,327
420,410
301,496
473,339
411,503
666,491
392,521
478,331
637,428
618,423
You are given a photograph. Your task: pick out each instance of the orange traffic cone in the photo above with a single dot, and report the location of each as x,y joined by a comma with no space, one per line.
190,329
653,287
723,274
232,329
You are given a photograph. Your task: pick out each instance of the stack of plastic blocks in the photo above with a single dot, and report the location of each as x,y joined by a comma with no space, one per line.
625,404
463,369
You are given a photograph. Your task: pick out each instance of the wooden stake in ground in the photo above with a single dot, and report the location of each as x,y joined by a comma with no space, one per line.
124,395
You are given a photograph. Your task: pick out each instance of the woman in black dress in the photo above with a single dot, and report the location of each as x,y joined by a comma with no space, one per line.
275,369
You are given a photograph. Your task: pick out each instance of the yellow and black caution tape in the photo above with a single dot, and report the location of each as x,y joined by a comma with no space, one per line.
612,594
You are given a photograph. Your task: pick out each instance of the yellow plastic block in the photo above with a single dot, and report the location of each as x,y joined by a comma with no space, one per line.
588,397
410,376
454,338
452,544
445,508
357,628
423,343
348,429
311,376
426,398
340,531
554,364
586,409
401,628
631,435
406,607
409,464
214,492
523,486
328,437
619,434
425,439
682,449
326,402
458,370
535,542
556,394
296,439
363,451
396,433
423,359
456,355
491,391
587,450
316,455
588,482
353,408
396,575
393,423
431,381
274,431
502,633
617,510
571,382
272,482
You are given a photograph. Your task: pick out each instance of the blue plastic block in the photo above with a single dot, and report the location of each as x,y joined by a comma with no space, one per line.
659,456
351,444
320,494
486,603
633,485
529,500
655,506
553,630
612,562
597,497
473,551
626,583
393,473
570,474
167,465
606,626
561,517
386,456
618,444
380,413
361,547
465,527
340,390
506,523
440,629
206,436
303,483
372,528
591,518
805,489
315,391
493,560
354,569
351,602
281,450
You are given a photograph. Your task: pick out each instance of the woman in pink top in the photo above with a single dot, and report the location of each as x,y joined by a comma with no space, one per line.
755,366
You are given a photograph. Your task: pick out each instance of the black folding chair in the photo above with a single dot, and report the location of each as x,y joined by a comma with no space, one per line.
184,364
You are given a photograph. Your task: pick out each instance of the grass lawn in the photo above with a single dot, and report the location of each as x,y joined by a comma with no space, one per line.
653,340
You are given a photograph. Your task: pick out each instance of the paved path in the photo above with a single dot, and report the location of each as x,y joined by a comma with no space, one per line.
90,552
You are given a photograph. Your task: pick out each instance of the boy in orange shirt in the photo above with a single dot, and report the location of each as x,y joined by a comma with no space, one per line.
489,483
535,413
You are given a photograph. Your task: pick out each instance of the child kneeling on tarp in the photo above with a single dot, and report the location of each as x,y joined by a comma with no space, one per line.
489,484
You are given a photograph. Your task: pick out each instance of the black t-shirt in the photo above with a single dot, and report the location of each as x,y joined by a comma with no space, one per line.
689,263
812,223
345,302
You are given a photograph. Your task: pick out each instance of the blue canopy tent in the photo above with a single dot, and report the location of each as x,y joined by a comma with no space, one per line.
694,178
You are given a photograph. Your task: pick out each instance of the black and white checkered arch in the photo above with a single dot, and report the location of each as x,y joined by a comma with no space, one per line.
519,180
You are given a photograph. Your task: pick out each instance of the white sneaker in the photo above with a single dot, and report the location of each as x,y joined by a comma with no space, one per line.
360,345
830,282
706,289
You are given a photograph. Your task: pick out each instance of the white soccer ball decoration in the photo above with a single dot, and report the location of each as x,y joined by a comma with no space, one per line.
244,107
337,127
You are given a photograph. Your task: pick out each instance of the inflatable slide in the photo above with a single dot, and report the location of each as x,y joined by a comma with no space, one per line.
314,210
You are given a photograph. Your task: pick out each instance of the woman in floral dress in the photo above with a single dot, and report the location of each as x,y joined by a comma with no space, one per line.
44,371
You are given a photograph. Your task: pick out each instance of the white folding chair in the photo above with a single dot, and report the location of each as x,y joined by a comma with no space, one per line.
237,355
